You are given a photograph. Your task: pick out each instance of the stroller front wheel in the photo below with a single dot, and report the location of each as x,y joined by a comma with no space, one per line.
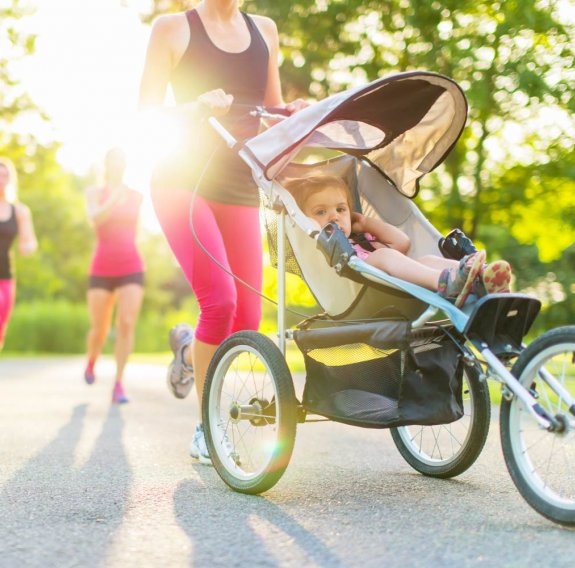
249,411
542,463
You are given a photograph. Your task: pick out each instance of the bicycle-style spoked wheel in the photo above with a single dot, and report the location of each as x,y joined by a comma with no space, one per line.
542,463
249,412
447,450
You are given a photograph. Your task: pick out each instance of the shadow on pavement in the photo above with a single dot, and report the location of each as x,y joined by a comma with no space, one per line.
53,514
252,530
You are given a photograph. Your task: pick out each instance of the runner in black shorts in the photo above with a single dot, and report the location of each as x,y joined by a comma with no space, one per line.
110,283
117,270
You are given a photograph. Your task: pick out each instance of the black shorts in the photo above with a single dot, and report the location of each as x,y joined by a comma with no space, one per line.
110,283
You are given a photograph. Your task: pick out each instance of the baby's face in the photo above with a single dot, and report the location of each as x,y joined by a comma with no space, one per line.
330,204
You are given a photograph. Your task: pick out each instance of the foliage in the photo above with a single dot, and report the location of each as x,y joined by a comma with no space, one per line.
48,326
58,269
61,327
16,106
513,60
508,182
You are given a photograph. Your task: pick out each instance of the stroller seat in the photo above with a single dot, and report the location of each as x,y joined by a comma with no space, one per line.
348,294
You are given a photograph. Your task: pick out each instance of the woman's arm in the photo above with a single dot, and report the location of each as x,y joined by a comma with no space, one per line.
169,37
167,33
384,232
27,242
97,209
273,97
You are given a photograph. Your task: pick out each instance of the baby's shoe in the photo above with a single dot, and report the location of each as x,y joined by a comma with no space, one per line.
496,277
459,286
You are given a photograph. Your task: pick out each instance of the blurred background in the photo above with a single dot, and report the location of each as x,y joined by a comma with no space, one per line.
69,75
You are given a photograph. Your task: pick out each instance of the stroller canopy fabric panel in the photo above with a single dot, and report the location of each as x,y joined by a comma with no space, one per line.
404,125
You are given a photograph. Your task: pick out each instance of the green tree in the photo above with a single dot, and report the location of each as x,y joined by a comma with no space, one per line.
508,181
15,45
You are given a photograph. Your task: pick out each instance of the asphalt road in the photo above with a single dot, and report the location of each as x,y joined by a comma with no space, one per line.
84,483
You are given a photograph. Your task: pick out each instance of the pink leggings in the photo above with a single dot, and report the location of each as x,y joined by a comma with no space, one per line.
7,296
231,234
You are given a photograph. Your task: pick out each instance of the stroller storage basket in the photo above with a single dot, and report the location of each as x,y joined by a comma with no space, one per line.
380,375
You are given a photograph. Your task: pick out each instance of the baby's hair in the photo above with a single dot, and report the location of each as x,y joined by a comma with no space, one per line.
303,188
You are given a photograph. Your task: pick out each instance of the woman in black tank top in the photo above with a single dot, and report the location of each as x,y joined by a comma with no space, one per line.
212,56
15,221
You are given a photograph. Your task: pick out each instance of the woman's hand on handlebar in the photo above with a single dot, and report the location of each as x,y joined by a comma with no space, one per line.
216,102
296,105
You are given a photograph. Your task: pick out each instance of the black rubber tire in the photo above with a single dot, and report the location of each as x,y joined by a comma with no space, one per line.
476,431
537,492
257,346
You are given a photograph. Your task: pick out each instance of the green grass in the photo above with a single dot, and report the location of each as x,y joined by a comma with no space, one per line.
152,358
294,358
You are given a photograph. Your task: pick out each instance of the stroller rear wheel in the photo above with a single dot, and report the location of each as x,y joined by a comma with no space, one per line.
542,463
448,450
250,409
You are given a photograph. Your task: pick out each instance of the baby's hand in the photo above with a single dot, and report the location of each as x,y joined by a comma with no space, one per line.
357,222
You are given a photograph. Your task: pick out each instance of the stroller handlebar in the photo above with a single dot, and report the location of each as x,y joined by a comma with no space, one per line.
239,109
259,110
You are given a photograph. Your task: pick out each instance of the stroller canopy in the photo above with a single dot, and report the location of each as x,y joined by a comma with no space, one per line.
404,125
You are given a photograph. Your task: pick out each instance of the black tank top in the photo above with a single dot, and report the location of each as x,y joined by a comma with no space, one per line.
204,67
8,232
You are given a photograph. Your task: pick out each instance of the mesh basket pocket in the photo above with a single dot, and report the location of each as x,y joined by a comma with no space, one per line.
383,379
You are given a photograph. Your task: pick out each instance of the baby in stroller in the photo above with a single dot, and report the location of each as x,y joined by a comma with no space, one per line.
327,199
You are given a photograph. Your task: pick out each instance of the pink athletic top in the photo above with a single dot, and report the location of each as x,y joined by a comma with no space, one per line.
116,253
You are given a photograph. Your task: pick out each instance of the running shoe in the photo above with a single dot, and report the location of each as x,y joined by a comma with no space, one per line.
198,448
180,375
496,277
118,396
89,376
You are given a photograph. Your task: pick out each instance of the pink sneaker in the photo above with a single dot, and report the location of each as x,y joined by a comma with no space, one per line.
118,396
89,376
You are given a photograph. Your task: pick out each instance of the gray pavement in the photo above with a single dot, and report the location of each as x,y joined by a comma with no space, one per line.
86,484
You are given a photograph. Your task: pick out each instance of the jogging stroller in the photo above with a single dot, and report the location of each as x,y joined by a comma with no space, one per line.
386,353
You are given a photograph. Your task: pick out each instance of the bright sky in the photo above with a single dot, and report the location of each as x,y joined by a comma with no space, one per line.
85,74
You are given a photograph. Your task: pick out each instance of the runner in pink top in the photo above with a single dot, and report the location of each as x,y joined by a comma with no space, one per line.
117,270
116,252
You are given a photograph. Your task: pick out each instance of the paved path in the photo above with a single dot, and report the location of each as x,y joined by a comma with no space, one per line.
87,484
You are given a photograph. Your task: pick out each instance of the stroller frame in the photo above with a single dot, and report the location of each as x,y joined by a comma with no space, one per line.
488,333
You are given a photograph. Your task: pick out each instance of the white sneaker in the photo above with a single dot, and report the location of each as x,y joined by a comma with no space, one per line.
198,448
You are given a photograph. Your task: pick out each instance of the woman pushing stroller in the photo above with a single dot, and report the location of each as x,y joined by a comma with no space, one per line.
327,199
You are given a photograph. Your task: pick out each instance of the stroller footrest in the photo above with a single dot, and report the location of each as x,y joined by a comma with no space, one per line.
502,321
